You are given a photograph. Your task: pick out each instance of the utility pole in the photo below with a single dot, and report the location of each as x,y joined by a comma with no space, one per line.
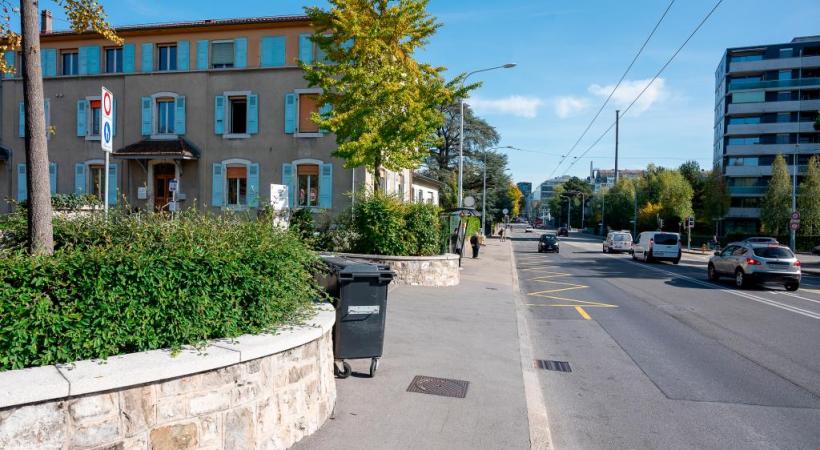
635,216
617,117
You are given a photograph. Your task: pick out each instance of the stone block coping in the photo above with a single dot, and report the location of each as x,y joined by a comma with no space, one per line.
37,384
444,257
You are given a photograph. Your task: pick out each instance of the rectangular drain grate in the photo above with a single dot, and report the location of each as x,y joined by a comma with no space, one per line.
444,387
557,366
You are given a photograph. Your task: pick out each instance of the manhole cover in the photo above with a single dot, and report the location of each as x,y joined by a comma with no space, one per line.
557,366
439,386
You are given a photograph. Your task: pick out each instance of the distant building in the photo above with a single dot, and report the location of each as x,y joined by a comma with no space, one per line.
526,190
425,189
767,99
543,193
605,178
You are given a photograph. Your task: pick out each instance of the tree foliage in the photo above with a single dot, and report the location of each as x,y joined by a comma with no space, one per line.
478,135
385,104
776,207
716,199
675,195
515,197
808,201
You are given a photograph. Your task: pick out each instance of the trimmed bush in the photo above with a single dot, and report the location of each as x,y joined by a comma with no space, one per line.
378,219
144,282
423,229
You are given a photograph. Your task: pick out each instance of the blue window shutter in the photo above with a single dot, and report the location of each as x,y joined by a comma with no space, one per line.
10,62
82,117
52,177
21,123
50,66
183,55
79,178
290,113
114,117
179,115
253,114
112,184
305,48
147,57
22,192
92,59
240,53
273,51
326,186
129,55
202,55
219,114
47,114
253,185
217,185
147,118
82,61
287,180
43,61
266,52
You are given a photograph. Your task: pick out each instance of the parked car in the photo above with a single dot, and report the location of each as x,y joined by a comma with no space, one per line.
563,231
751,262
657,246
617,242
548,243
761,240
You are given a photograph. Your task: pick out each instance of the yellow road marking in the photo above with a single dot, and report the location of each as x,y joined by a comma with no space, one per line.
583,313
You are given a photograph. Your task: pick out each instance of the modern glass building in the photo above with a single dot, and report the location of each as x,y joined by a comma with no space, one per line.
767,99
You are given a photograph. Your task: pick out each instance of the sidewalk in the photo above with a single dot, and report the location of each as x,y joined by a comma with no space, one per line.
468,332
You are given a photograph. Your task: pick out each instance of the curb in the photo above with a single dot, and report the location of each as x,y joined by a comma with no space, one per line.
540,435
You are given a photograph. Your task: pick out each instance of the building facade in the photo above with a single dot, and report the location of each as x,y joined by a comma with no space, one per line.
219,105
526,192
426,190
605,178
767,99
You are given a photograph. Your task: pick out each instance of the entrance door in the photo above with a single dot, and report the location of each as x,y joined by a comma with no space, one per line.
163,174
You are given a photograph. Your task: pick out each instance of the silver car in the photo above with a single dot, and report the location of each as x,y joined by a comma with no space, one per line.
750,262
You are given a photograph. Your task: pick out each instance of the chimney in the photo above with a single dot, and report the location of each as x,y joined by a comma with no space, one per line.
45,22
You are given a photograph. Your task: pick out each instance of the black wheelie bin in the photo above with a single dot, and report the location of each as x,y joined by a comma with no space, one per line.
359,294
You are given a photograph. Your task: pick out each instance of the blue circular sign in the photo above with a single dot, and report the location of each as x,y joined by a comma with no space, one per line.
107,132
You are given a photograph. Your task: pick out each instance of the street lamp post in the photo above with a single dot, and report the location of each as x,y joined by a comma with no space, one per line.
569,211
461,135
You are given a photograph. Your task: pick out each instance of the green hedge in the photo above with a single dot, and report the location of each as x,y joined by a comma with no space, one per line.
144,282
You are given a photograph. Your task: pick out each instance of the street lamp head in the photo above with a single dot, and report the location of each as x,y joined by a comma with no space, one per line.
509,65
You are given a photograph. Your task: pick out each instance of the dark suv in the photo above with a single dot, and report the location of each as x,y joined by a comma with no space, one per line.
563,231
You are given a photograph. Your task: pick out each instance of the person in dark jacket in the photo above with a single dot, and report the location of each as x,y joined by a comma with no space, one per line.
474,241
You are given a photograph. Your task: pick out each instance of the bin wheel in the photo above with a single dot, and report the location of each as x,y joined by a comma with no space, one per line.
344,372
374,364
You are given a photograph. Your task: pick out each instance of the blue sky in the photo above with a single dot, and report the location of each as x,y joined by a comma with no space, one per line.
569,55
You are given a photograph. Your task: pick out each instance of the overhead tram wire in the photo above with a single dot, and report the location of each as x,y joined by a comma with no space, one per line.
658,74
623,77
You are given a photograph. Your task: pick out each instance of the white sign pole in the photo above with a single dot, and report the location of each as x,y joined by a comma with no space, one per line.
106,136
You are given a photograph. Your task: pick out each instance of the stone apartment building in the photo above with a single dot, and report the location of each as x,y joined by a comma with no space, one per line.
220,105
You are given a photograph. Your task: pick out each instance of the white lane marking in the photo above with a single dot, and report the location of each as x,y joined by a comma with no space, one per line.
746,295
797,296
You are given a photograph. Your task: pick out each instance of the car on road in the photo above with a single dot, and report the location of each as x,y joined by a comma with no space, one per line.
761,240
657,246
752,262
617,242
563,231
548,243
528,230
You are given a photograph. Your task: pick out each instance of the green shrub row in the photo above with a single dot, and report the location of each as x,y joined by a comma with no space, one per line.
139,283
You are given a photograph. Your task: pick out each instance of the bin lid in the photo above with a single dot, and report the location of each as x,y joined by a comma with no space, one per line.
356,268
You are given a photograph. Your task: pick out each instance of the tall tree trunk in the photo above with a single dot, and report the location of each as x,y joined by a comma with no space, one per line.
41,236
377,168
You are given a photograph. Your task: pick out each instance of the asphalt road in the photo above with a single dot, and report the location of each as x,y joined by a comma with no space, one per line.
662,358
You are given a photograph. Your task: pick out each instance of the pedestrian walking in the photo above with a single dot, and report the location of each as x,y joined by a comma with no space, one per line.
474,241
501,234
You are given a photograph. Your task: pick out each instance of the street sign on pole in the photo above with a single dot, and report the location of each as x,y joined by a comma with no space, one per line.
106,136
796,215
794,226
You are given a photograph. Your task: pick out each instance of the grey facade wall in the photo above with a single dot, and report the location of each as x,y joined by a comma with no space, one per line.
270,148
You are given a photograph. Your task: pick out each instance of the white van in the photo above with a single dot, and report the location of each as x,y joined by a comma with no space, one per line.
657,246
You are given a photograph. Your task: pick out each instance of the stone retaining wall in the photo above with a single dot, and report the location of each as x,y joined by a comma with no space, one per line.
279,389
434,271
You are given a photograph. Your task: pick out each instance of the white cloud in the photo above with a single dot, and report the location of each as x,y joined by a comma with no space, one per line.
569,106
629,89
515,105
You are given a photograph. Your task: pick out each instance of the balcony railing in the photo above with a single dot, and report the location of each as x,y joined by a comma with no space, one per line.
748,190
737,85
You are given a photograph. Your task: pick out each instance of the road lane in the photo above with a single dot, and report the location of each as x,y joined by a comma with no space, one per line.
668,360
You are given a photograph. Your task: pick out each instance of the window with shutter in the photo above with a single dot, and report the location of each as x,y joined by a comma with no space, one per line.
222,55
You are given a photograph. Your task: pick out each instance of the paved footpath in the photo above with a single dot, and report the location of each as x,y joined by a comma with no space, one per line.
468,332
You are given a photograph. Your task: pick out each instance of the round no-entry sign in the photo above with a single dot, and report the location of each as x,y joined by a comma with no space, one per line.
794,226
